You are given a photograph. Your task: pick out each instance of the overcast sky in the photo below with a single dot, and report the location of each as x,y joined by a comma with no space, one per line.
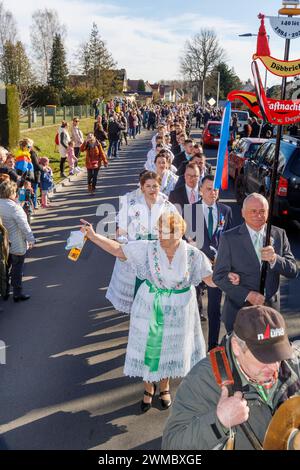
147,36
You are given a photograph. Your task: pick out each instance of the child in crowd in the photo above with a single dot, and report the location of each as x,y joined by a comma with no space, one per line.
72,159
26,198
46,180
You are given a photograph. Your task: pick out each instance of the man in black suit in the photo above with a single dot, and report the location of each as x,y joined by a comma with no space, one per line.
241,251
216,218
200,159
177,147
185,155
189,192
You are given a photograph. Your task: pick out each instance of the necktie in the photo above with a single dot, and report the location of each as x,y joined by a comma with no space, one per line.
257,245
210,222
192,197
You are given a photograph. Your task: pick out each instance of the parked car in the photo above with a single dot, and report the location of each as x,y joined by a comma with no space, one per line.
244,149
211,134
242,116
256,176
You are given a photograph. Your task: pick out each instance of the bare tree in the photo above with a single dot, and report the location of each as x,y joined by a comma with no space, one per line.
45,25
8,27
201,54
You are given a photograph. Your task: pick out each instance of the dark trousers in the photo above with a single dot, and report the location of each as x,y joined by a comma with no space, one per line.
77,151
35,187
62,164
151,125
92,177
15,270
124,136
113,148
214,316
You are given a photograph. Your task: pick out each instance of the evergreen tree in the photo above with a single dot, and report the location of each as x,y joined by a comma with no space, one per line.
15,65
95,57
58,75
228,81
141,86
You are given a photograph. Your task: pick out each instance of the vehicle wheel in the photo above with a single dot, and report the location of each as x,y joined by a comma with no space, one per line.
239,189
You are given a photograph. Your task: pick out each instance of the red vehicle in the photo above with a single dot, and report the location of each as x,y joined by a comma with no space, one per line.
244,149
211,134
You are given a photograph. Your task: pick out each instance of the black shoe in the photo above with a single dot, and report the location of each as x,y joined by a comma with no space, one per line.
146,406
165,404
203,318
19,298
63,175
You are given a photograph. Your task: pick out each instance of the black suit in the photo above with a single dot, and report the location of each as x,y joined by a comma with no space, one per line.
210,247
237,254
181,169
179,159
176,149
179,198
181,180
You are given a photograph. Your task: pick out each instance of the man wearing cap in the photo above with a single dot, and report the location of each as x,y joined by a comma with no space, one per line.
266,372
242,251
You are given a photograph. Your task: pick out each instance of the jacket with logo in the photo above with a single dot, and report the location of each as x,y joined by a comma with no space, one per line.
193,423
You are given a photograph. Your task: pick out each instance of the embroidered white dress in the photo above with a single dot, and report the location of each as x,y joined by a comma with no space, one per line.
183,344
139,224
168,182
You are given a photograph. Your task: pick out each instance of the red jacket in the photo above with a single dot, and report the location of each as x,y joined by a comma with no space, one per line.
95,155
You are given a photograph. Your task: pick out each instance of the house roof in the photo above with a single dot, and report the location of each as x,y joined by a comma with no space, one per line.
155,86
133,85
140,93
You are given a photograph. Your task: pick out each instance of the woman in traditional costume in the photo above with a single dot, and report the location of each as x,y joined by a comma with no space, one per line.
168,178
137,220
165,336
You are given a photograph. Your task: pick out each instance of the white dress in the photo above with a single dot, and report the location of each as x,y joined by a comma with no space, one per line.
139,222
183,344
168,182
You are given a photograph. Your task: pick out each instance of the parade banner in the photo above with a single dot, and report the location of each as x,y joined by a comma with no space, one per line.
221,175
281,68
286,28
283,112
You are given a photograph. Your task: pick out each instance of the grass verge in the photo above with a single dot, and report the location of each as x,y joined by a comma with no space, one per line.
44,140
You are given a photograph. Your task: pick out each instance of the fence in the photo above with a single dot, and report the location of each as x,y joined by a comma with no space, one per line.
49,115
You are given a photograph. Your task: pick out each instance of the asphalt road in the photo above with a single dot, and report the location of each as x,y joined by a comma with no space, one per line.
62,386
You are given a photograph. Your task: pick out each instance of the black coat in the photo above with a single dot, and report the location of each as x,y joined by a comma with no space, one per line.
179,197
99,133
114,131
255,129
224,223
11,173
37,168
176,149
179,159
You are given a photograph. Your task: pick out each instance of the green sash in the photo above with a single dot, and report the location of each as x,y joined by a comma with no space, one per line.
156,328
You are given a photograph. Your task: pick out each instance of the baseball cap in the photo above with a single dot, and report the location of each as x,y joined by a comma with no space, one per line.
264,331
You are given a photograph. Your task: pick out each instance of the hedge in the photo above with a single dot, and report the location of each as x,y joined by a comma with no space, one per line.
9,118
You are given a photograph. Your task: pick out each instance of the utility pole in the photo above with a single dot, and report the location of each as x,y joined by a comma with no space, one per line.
218,89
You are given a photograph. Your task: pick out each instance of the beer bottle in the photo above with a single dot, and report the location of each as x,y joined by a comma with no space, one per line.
75,252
